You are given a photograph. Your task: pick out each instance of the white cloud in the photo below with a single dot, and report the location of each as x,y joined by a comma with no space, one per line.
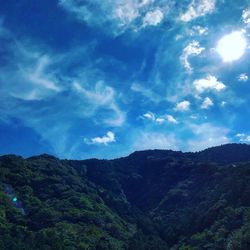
160,120
207,135
209,83
207,103
149,116
153,18
182,106
194,117
198,8
243,77
198,30
126,12
171,119
246,16
105,140
243,137
192,49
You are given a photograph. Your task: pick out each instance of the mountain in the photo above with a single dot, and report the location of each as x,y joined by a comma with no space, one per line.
153,199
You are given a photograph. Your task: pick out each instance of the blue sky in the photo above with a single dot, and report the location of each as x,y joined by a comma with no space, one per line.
90,78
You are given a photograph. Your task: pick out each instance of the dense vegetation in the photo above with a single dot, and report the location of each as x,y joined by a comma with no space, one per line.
154,199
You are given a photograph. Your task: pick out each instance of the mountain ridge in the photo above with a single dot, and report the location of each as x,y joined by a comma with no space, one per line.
223,146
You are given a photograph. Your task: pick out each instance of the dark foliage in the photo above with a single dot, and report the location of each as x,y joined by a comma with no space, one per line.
150,200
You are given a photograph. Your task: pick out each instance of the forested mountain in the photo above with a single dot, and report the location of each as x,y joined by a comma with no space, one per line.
154,199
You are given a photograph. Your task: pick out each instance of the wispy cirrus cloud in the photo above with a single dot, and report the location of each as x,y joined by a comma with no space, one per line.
30,74
37,76
37,89
119,15
146,92
101,96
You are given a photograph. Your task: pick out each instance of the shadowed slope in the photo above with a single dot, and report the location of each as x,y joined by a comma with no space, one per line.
153,199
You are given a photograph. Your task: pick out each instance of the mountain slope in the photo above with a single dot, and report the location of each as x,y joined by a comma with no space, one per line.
155,199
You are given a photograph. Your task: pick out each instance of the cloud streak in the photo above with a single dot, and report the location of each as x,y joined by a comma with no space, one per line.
119,16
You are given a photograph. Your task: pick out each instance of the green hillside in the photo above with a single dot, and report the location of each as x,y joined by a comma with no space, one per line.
149,200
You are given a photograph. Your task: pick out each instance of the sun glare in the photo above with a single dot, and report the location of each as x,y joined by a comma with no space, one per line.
232,46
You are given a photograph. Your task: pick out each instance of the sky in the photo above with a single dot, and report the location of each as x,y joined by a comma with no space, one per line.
90,78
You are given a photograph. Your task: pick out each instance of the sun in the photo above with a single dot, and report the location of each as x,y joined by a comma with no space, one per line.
232,46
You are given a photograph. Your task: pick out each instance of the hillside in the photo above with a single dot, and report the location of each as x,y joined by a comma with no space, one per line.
154,199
